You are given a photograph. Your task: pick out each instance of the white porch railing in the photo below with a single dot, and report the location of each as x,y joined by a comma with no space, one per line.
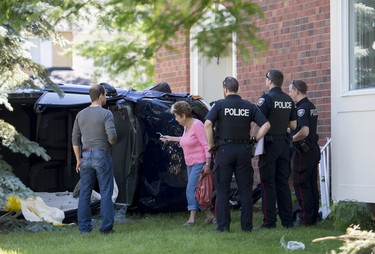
325,178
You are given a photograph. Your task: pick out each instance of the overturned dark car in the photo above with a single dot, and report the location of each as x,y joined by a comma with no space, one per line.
150,175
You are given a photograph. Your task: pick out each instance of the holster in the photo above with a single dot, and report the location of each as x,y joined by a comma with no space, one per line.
302,146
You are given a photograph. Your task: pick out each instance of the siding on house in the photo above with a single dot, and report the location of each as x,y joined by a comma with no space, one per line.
298,37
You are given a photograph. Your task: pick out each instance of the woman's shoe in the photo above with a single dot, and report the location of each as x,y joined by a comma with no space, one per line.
211,220
189,223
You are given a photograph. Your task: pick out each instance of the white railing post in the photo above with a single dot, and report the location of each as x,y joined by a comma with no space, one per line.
325,178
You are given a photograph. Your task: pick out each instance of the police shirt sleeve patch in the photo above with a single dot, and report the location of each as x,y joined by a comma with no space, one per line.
261,101
301,112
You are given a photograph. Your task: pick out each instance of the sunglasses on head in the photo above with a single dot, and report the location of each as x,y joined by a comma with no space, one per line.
294,85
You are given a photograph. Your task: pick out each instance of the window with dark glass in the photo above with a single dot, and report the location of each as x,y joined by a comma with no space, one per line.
362,44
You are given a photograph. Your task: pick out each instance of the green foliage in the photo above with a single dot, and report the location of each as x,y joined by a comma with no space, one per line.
18,21
151,25
17,70
148,26
22,19
346,213
127,57
10,185
16,142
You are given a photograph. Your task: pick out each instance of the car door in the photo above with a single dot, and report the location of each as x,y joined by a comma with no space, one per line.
54,123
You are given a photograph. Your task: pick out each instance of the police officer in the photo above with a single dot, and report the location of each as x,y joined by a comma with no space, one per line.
306,155
274,163
232,117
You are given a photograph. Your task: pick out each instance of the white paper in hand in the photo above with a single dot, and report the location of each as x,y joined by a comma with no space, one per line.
259,149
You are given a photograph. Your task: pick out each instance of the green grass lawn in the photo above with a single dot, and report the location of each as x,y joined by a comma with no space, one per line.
165,233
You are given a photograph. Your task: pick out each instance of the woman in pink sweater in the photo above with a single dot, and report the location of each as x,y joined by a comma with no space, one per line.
197,158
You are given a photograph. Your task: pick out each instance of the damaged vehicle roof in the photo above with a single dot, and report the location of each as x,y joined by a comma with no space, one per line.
150,175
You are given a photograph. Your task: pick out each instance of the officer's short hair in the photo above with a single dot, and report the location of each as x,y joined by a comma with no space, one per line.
182,108
231,84
95,91
276,76
300,86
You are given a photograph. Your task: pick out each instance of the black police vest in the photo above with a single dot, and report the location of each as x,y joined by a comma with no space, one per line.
235,119
313,135
306,107
279,113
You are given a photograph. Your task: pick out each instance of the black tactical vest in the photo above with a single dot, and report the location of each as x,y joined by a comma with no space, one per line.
235,118
279,112
307,116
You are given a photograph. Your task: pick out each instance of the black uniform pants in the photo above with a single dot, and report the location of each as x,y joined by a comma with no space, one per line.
274,170
305,181
233,158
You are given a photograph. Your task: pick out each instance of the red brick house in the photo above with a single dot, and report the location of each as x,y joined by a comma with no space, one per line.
327,44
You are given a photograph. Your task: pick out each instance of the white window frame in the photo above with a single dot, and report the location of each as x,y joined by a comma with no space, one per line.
340,49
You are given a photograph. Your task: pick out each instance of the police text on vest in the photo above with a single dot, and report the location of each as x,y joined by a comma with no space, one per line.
283,104
236,112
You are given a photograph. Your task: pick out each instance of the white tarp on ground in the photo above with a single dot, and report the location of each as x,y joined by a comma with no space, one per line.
65,200
50,206
34,209
61,200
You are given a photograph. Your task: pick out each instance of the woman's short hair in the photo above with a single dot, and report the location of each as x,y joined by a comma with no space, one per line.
182,108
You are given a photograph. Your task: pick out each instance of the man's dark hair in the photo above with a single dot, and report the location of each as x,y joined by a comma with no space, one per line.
96,91
300,85
231,84
276,76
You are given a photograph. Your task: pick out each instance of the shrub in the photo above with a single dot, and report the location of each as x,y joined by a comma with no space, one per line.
346,213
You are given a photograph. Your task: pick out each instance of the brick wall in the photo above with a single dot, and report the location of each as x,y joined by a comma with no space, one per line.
173,66
298,37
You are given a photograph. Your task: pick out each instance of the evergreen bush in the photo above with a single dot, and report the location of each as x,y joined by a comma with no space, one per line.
350,212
